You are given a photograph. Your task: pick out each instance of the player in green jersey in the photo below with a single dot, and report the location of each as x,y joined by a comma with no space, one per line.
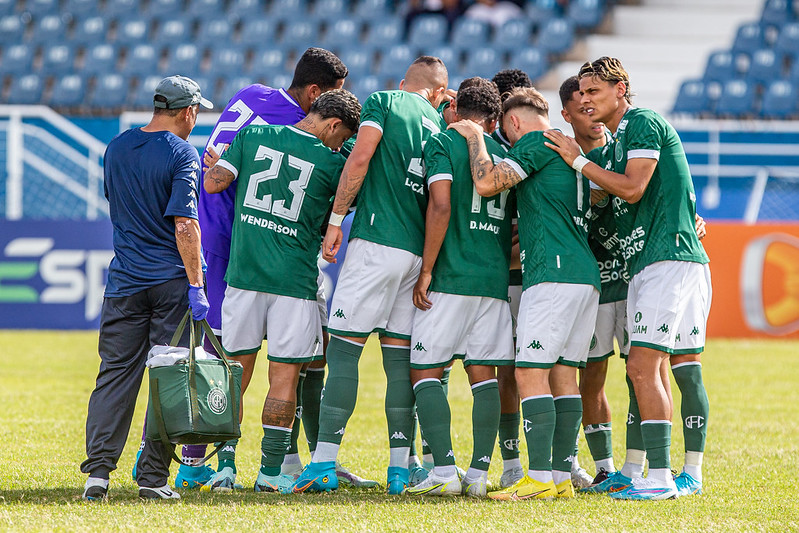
561,288
286,177
374,289
669,294
465,314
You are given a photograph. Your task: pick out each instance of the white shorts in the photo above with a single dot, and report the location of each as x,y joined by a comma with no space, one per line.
292,325
611,321
514,299
668,303
374,291
473,328
556,322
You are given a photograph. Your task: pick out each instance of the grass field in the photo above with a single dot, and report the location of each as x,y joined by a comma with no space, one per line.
751,460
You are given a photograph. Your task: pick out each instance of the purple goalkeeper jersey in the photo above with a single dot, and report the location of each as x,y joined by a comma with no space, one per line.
255,104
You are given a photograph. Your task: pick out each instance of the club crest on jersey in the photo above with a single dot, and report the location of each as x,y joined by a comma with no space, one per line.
619,152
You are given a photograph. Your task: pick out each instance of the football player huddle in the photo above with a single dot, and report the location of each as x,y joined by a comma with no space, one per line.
480,234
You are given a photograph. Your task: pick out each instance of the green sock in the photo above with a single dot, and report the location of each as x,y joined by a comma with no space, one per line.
341,389
435,418
399,395
311,397
509,435
274,444
694,407
485,422
538,422
657,439
598,437
295,429
634,439
444,385
227,455
568,415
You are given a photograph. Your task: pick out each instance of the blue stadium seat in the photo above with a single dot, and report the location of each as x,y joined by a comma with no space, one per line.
556,36
39,8
776,12
143,96
89,31
750,37
372,10
11,29
183,59
164,10
17,59
58,59
513,35
721,67
383,34
482,62
7,7
121,9
227,60
787,43
395,61
245,10
764,67
215,32
341,33
428,30
230,87
450,55
329,10
793,75
206,9
693,98
49,28
737,99
132,31
358,61
540,11
299,33
255,32
288,9
173,30
81,8
268,62
531,60
110,92
586,14
279,80
781,100
100,58
141,60
469,33
26,90
69,91
365,86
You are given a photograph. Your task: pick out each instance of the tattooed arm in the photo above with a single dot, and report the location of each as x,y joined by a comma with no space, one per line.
217,179
489,179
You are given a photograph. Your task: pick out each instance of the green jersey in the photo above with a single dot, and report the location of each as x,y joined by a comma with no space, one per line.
286,181
500,138
552,203
475,255
392,200
660,226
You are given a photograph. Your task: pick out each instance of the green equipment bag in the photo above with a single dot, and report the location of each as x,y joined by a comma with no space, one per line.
195,401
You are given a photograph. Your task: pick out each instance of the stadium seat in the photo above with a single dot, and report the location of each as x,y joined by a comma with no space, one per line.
255,32
531,60
215,31
484,62
99,59
428,30
737,99
793,75
173,30
81,8
49,28
514,34
17,59
693,98
556,36
185,59
141,60
121,9
143,96
449,55
720,67
750,37
245,10
69,91
341,33
230,87
585,14
26,90
777,12
366,85
164,10
780,101
395,61
227,60
288,9
132,31
58,59
787,43
11,29
299,33
110,92
329,10
469,33
89,31
7,7
372,10
383,34
764,67
279,81
206,9
540,11
267,62
40,8
358,61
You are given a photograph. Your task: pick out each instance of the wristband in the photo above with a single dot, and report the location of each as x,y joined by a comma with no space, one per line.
579,162
336,219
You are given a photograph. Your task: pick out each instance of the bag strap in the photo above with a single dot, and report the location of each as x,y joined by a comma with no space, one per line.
179,330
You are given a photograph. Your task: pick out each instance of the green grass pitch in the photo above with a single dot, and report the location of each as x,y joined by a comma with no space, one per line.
751,461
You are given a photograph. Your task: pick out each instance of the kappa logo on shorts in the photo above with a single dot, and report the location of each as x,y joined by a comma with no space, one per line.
694,331
638,317
664,328
419,347
339,314
677,338
535,345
